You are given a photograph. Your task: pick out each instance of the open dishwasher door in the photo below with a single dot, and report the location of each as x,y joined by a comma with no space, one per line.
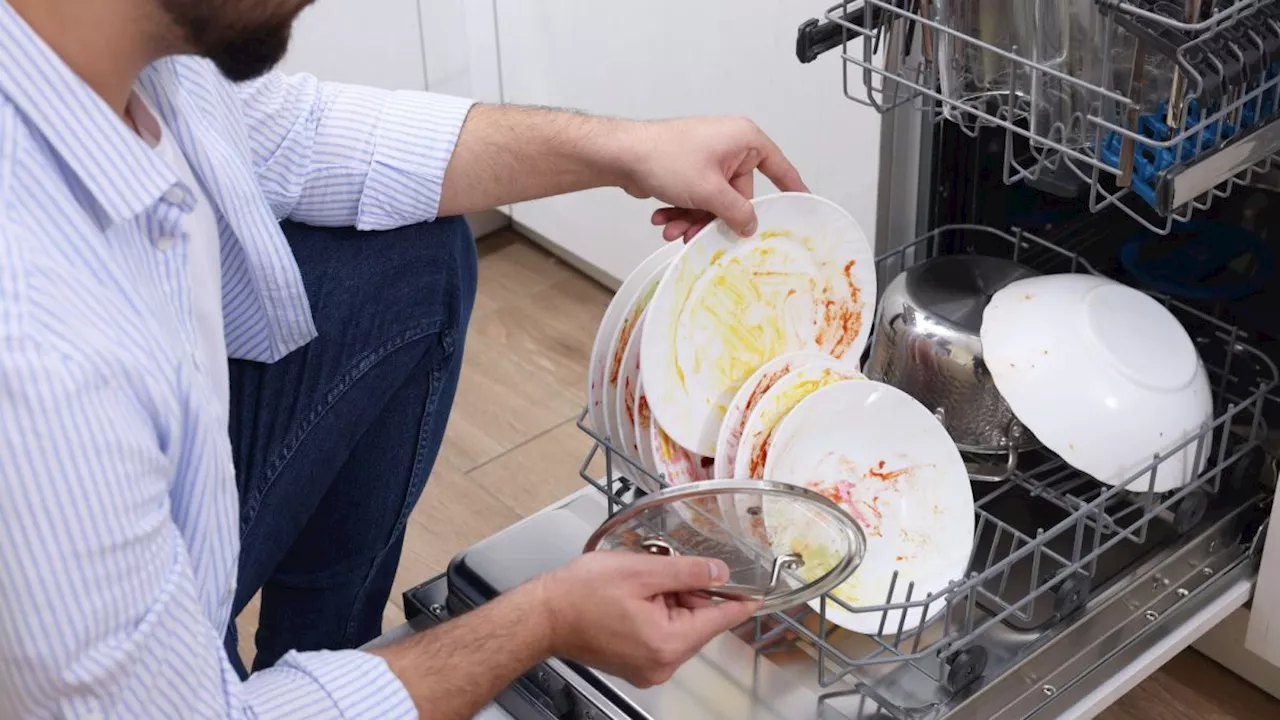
1075,668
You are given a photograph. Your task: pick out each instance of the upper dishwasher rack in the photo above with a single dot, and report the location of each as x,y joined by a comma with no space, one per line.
1158,106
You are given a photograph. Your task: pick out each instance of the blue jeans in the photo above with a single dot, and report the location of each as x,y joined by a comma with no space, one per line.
334,443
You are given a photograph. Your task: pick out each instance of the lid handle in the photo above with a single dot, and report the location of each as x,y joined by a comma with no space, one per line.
788,562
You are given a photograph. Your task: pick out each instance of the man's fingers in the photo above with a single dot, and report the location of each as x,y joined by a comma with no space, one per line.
700,625
693,601
695,229
664,575
745,183
732,207
662,216
675,230
697,221
775,166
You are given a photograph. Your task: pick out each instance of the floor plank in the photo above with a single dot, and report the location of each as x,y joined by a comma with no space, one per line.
1193,687
536,474
524,369
455,513
511,269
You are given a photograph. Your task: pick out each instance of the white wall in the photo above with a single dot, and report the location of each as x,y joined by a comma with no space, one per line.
665,58
446,46
376,42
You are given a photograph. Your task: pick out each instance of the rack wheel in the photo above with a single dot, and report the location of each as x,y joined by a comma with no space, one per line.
966,667
1190,511
1071,595
1240,481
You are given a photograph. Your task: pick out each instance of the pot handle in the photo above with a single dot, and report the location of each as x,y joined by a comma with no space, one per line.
991,472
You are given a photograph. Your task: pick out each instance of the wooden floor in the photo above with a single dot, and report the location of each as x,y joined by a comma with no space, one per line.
512,447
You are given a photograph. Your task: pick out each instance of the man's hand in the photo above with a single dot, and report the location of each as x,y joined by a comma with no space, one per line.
634,616
631,615
704,168
700,167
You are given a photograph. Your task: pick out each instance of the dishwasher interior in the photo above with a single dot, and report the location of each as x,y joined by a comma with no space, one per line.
1053,547
1065,572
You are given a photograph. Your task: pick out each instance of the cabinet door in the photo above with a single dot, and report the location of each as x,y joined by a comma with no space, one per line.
460,44
356,41
665,58
1263,636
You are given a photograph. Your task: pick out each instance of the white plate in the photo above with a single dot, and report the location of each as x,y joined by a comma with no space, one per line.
746,400
805,281
887,460
624,405
644,436
621,307
781,399
680,466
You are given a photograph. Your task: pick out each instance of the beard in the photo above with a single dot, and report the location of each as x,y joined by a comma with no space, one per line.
243,38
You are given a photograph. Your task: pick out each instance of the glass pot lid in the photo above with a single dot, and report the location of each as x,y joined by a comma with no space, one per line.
784,545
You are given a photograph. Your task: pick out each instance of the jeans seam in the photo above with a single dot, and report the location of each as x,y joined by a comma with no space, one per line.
358,369
416,486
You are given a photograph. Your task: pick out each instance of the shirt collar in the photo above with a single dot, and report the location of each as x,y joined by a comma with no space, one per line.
121,173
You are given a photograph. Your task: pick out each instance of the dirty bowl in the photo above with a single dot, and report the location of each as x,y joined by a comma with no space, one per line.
1103,374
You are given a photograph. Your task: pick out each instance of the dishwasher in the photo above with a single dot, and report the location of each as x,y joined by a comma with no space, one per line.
1075,590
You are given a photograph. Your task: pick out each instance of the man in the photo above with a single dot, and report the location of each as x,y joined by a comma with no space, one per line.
148,489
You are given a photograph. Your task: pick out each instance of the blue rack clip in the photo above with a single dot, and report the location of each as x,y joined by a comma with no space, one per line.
1150,161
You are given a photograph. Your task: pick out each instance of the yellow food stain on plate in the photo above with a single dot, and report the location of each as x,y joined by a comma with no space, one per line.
686,279
748,309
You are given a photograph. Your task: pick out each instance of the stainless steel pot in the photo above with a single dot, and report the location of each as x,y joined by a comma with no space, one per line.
927,343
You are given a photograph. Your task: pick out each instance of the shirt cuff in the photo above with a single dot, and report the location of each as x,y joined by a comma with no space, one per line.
339,684
414,141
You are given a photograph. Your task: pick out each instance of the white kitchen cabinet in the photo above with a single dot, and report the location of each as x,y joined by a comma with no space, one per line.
667,58
446,46
1226,645
460,46
368,43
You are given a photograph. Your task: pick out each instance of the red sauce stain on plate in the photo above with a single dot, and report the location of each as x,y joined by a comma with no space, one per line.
868,514
629,400
877,472
765,385
760,457
840,314
615,366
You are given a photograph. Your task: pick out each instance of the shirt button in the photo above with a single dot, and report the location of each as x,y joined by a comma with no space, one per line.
175,195
164,242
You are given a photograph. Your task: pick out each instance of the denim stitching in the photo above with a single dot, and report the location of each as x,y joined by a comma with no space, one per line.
415,489
357,370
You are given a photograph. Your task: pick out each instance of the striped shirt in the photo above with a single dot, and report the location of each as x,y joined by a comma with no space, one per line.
119,521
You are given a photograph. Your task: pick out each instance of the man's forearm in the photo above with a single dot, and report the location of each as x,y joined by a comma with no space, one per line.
451,671
507,154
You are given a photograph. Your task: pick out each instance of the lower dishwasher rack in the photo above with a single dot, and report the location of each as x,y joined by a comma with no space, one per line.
1054,550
